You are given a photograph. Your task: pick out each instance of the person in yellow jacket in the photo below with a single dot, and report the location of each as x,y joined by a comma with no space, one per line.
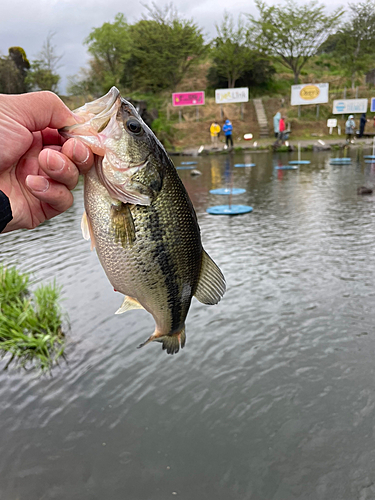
215,131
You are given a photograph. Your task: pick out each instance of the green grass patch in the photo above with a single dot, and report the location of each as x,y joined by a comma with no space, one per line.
30,323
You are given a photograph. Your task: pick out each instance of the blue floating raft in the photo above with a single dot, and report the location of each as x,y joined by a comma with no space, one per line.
189,162
299,162
370,161
286,167
184,168
229,210
370,157
244,165
340,160
228,191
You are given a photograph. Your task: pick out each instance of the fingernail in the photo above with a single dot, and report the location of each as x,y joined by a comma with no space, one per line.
37,183
80,152
57,164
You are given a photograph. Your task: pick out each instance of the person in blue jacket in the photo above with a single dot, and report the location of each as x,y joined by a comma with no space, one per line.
227,129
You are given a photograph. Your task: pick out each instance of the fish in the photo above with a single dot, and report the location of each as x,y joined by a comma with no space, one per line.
141,220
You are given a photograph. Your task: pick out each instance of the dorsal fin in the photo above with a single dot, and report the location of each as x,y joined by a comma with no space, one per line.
211,283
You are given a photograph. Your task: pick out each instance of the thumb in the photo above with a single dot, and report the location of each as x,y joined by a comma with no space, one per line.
38,110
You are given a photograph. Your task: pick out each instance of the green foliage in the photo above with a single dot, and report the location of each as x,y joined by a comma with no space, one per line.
293,33
42,78
231,57
110,47
164,48
353,44
30,325
13,72
43,72
164,131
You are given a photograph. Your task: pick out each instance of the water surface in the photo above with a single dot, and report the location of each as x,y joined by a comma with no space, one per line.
273,396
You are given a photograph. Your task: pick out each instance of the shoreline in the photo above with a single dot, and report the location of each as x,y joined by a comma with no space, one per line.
266,145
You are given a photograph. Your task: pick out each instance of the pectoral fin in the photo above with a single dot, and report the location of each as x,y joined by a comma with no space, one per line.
211,284
123,224
86,228
129,304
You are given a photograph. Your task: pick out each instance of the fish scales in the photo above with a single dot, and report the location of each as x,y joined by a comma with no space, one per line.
142,222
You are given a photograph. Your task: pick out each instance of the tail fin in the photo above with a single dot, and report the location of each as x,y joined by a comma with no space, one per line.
171,343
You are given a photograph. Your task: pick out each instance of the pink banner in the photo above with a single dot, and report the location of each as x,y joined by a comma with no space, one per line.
188,98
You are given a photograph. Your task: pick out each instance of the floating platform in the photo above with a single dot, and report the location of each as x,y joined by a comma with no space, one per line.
189,162
229,210
228,191
245,165
340,161
185,168
370,157
299,162
286,167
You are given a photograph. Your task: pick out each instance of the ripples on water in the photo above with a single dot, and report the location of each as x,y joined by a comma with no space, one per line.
273,396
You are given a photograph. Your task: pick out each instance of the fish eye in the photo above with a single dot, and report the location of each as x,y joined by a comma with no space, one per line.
134,126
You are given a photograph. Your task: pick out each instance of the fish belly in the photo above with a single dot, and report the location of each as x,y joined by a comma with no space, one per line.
159,268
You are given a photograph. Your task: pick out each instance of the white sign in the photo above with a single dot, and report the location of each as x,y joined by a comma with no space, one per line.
311,93
332,122
231,95
349,106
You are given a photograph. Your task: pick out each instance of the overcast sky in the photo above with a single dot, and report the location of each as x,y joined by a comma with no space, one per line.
27,23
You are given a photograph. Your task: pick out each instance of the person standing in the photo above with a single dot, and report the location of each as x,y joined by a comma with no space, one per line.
349,128
228,129
362,124
281,129
276,121
215,131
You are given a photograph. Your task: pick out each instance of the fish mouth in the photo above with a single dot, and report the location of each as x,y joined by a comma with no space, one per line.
95,115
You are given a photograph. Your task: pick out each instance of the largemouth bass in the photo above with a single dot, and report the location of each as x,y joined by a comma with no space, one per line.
141,221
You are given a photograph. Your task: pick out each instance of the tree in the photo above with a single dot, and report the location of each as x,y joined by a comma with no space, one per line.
164,48
354,43
43,72
13,71
293,33
110,47
231,56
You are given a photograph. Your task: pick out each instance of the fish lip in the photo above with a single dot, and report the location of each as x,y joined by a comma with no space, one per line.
95,113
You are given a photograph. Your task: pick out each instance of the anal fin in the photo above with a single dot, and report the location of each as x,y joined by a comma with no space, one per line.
129,304
211,284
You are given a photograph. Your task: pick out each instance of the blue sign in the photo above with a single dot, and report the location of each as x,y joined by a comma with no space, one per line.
340,106
372,104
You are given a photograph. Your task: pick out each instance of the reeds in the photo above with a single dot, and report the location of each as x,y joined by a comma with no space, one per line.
30,323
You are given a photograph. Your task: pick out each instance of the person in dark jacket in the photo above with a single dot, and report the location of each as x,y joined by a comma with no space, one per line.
228,129
38,168
362,124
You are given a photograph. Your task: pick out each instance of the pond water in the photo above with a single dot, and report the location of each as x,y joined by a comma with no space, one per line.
273,397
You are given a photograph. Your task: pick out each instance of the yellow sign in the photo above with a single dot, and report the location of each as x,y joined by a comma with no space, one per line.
309,92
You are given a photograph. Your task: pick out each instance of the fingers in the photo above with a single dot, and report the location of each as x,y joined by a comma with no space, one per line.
64,166
58,167
54,196
80,154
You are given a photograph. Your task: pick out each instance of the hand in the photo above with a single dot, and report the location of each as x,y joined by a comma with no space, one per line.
38,169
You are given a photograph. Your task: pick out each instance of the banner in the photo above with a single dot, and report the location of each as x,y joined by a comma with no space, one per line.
223,96
311,93
349,106
188,98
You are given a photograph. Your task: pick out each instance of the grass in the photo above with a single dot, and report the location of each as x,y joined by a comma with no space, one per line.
30,324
